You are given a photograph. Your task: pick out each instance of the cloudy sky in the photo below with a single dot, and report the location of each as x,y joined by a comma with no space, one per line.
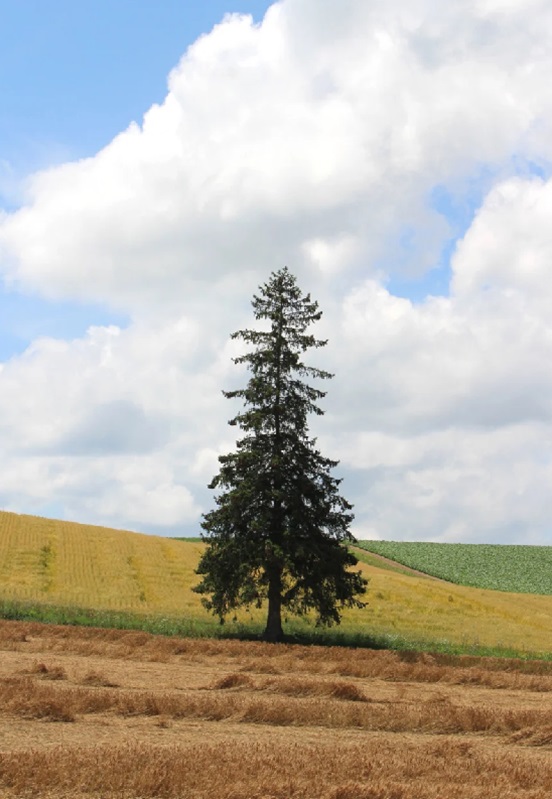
159,160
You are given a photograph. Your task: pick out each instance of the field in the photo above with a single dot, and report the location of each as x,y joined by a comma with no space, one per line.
61,571
517,569
87,712
86,566
114,714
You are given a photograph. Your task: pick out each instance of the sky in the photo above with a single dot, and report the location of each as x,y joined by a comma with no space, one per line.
159,160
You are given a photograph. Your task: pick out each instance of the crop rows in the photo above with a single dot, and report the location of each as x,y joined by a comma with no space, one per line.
86,566
517,569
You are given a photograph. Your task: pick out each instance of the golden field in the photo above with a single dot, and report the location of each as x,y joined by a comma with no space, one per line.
88,713
69,564
86,566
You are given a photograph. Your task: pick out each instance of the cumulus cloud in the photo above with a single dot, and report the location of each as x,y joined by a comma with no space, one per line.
316,138
317,125
509,245
114,427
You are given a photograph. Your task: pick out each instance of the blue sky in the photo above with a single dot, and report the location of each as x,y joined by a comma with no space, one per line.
395,155
72,76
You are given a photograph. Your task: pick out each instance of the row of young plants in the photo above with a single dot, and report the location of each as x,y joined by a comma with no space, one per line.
515,568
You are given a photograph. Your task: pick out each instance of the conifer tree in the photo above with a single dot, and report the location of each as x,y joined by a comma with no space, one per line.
279,530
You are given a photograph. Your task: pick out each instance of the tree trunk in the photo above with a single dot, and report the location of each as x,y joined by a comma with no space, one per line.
274,632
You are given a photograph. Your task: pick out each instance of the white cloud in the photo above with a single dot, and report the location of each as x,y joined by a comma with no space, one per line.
313,139
285,132
509,245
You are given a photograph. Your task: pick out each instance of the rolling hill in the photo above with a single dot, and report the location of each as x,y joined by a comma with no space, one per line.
46,563
514,568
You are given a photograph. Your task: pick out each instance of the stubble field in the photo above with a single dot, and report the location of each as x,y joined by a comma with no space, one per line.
105,713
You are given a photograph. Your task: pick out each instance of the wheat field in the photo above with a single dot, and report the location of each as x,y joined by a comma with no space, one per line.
97,567
68,564
124,715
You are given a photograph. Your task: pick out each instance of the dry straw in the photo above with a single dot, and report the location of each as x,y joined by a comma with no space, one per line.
407,726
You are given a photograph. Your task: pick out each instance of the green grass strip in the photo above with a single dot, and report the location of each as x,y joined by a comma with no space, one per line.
296,632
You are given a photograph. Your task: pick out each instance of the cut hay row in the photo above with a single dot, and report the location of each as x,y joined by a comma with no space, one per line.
245,659
87,713
371,769
336,704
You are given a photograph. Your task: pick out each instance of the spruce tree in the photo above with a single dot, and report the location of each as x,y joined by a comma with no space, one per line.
280,528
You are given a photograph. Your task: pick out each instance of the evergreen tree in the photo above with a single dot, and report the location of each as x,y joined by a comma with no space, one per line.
280,528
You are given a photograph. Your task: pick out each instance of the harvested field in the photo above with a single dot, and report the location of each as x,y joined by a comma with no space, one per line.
89,713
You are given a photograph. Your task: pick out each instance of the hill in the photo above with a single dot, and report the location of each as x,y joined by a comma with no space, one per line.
517,569
54,569
95,567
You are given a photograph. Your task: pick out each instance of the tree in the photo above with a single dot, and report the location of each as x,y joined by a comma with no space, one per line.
280,528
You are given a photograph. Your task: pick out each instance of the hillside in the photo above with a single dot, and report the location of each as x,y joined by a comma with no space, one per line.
499,567
45,562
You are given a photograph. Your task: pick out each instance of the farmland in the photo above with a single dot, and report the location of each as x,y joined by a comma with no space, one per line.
87,566
517,569
61,571
123,714
88,713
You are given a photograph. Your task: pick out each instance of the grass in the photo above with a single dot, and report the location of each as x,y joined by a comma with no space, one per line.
515,569
154,623
190,539
60,572
297,633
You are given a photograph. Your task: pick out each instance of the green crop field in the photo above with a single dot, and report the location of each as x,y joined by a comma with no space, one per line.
518,569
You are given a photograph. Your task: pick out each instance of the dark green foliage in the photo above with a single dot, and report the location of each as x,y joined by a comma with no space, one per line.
280,528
